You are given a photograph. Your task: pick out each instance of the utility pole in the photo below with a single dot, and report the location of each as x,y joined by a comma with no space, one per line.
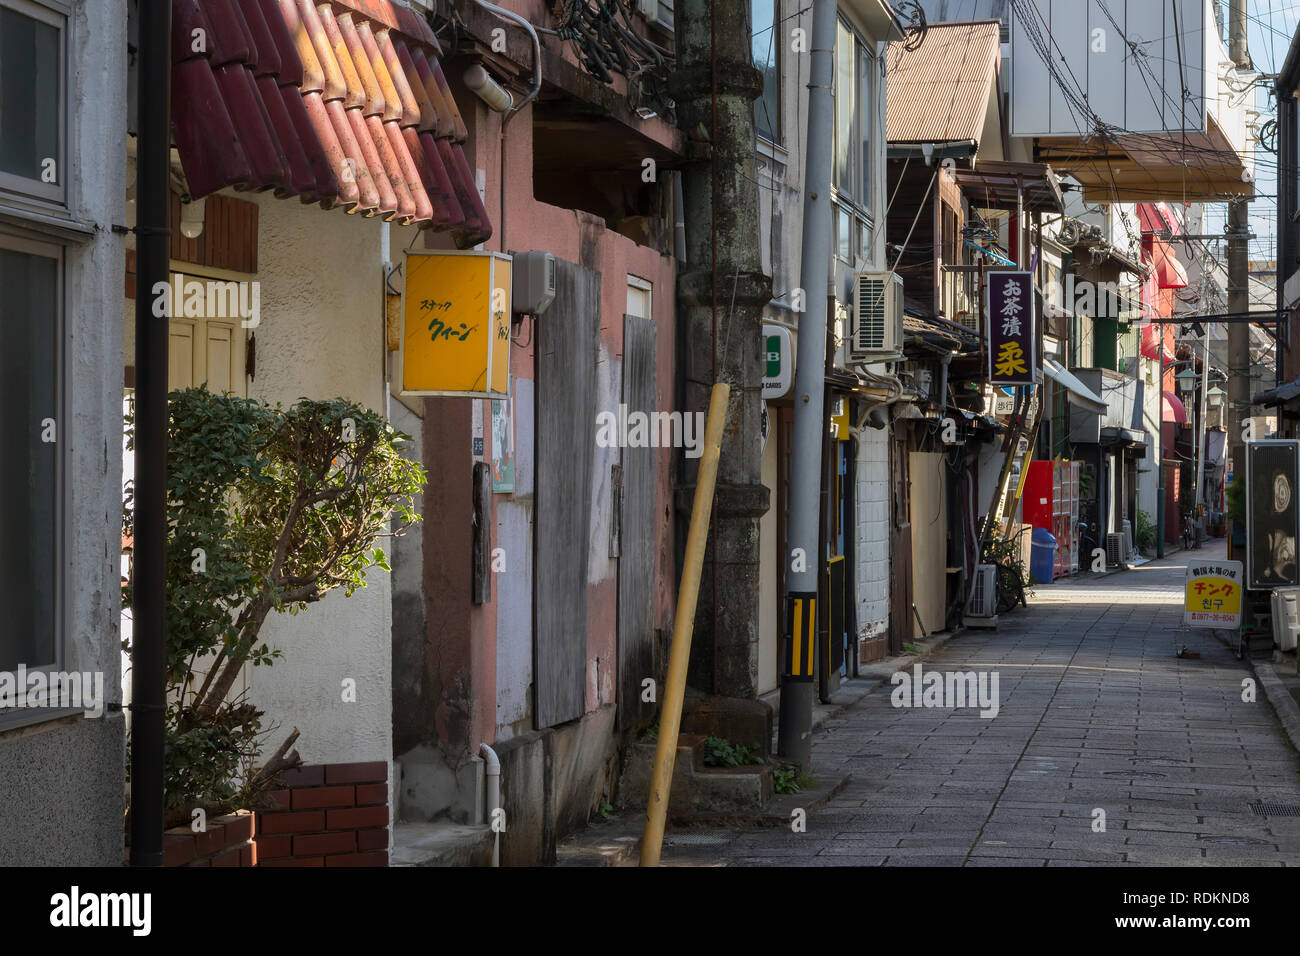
721,292
148,655
1239,366
795,736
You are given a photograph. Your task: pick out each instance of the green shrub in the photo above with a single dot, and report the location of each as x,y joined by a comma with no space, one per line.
268,510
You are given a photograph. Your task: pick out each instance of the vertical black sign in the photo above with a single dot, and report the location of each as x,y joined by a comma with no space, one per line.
1012,332
1272,518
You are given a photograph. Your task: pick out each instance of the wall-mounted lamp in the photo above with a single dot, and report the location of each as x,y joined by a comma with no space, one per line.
192,213
487,89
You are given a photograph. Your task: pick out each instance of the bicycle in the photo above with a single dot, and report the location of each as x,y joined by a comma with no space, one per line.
1004,554
1189,531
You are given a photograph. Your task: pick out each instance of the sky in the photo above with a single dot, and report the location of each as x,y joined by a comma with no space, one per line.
1272,24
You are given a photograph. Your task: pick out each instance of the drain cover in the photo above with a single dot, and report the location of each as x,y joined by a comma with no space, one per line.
1164,762
699,839
1275,809
1235,841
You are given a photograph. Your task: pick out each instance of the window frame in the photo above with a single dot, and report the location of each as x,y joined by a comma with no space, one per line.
51,196
776,138
859,202
24,244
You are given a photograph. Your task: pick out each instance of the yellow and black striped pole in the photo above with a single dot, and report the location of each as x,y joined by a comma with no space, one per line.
801,635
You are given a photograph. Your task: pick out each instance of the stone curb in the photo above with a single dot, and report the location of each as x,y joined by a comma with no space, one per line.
1284,705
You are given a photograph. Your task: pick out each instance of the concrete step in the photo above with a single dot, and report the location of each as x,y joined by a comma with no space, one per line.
441,844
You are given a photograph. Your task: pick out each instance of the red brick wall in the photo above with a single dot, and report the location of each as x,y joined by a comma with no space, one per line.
227,841
326,815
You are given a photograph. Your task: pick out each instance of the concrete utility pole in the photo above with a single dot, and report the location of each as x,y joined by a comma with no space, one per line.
1239,365
804,559
721,293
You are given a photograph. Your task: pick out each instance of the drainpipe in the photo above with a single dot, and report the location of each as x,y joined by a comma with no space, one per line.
148,668
493,772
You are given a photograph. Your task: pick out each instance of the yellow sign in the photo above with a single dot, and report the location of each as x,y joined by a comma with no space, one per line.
1213,594
456,324
840,420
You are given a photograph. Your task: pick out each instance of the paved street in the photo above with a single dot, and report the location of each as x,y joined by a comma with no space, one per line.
1096,714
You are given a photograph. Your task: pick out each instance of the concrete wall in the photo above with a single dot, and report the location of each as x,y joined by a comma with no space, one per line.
62,783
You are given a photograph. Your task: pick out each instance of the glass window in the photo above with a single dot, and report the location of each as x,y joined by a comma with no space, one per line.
866,123
765,47
31,99
29,475
845,114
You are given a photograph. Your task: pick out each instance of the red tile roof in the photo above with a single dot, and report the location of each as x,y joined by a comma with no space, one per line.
338,103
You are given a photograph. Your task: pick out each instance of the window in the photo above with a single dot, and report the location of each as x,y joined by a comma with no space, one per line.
32,92
765,48
32,431
853,167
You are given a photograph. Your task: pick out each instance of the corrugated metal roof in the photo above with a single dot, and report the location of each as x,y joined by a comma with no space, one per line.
940,92
340,103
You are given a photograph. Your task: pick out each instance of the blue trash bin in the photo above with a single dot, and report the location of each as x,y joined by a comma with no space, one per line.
1042,556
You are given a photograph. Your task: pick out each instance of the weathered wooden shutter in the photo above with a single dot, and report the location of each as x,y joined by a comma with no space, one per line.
567,341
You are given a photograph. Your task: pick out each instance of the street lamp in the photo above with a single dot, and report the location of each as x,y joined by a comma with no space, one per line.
1186,380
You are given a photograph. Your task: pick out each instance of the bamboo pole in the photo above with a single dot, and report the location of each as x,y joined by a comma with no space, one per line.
670,715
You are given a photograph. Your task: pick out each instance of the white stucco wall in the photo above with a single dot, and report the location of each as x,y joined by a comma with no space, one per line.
872,512
321,336
514,588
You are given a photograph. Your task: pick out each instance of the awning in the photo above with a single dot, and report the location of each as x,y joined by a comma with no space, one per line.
1158,217
1174,410
1079,393
1170,273
1278,396
1151,345
995,184
338,104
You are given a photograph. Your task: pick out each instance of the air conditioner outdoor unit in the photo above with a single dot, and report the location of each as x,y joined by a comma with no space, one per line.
1286,617
659,13
1116,551
982,606
1129,550
876,326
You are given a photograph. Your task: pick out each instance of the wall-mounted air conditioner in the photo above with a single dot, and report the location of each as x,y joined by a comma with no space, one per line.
658,13
1286,617
876,325
982,605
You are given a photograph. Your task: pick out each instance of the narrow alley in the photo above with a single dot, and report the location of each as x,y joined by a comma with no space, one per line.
1097,715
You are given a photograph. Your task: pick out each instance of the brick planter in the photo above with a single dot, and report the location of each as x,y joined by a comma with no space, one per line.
326,815
227,841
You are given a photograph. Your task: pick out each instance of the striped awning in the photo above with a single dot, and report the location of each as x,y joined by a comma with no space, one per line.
339,103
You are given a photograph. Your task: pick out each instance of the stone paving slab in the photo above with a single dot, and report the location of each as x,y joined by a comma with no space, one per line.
1095,713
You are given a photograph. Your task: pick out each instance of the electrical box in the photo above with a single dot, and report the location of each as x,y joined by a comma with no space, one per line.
534,282
456,324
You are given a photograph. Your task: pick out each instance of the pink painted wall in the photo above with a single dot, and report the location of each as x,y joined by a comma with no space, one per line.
463,637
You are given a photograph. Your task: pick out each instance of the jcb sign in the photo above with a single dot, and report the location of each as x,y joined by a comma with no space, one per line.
456,324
